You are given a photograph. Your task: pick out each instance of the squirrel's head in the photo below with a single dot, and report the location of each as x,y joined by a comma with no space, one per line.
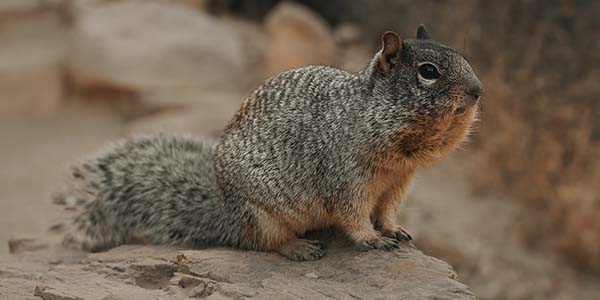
428,77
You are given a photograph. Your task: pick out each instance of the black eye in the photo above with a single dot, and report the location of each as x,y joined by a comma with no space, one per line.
429,71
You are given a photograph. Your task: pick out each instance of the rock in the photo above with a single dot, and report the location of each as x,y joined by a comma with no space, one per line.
18,8
207,118
157,53
24,245
34,36
254,42
193,286
185,281
153,272
50,294
354,53
297,37
347,34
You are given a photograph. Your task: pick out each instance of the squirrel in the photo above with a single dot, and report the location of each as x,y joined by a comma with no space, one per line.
310,148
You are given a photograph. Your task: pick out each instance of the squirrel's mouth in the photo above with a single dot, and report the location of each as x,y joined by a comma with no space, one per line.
468,102
459,111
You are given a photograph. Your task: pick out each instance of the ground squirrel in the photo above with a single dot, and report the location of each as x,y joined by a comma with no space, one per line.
310,148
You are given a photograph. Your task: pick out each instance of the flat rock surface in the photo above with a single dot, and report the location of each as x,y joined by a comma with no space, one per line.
164,53
150,272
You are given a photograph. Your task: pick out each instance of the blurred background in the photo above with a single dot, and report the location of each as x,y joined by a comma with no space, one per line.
516,211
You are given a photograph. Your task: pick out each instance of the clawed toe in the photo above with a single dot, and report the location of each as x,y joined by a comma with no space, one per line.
317,244
399,234
303,250
402,235
383,243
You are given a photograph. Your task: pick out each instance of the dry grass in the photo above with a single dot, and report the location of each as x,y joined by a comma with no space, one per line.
544,146
540,135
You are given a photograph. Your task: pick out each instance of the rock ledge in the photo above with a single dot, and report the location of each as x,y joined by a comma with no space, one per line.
150,272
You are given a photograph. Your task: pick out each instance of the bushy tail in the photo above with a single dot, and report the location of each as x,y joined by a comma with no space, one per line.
83,185
81,229
149,189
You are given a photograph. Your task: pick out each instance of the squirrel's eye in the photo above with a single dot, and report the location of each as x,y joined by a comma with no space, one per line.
429,71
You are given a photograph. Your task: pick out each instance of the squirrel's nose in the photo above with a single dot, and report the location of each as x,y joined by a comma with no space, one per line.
475,90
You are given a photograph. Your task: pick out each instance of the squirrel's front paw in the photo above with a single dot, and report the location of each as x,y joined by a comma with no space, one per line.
398,234
382,242
301,250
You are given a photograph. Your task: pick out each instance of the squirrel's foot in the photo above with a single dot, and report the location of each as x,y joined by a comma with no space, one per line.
303,250
397,233
379,242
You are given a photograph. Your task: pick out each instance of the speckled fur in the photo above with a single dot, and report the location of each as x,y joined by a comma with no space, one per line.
157,189
310,148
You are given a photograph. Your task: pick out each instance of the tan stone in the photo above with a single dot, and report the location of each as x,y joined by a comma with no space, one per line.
158,52
297,37
207,118
142,272
33,35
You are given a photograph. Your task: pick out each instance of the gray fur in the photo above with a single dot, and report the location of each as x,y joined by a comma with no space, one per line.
305,138
310,134
160,189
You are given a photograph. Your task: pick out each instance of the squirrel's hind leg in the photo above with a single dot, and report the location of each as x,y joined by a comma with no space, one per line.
276,234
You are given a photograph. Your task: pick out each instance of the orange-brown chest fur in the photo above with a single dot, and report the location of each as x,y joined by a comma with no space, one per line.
428,140
420,145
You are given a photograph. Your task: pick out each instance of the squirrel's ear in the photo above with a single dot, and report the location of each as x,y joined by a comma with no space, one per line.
422,33
391,47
